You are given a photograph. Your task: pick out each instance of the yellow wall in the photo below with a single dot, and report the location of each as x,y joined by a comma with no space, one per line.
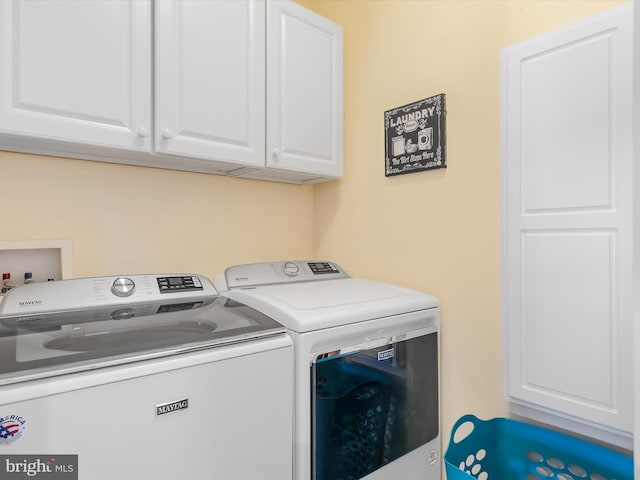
124,219
436,231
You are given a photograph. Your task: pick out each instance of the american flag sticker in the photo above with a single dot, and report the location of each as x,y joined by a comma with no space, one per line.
11,428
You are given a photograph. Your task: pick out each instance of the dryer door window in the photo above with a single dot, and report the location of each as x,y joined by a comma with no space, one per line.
373,403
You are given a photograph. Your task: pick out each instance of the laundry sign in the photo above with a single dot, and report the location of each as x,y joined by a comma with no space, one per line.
415,137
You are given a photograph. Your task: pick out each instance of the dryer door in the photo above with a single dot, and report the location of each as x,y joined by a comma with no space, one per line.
373,403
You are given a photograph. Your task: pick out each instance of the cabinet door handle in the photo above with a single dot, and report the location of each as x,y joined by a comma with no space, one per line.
143,132
167,134
276,153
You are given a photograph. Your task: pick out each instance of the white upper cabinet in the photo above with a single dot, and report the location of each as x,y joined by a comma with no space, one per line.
89,79
76,71
567,209
210,80
304,91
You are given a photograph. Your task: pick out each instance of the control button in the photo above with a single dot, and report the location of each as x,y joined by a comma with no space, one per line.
178,284
291,269
123,287
323,268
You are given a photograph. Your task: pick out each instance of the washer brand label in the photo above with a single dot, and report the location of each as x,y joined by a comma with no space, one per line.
50,467
172,406
11,428
30,303
386,354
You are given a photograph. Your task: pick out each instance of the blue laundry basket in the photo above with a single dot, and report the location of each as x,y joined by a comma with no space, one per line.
504,449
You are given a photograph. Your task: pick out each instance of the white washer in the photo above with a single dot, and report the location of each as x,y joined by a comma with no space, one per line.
366,369
139,377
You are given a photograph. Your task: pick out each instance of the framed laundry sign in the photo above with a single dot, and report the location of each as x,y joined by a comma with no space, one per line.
415,137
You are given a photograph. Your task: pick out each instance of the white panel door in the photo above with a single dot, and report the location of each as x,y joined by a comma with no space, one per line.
567,221
210,76
304,91
77,71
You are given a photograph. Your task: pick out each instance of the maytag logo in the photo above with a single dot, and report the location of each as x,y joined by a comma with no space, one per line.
386,354
30,303
171,407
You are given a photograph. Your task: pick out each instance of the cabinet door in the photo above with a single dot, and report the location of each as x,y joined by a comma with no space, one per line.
304,91
210,74
567,221
76,71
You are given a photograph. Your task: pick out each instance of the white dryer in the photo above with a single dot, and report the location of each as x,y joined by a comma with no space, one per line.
142,377
366,369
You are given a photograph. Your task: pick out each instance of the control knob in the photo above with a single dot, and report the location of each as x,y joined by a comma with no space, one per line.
291,269
123,287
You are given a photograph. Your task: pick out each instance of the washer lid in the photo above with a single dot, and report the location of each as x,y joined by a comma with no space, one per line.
39,345
308,306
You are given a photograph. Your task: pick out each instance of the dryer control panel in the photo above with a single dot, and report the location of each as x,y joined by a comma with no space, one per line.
272,273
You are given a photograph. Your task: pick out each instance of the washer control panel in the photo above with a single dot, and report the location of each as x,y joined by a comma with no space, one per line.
271,273
85,293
